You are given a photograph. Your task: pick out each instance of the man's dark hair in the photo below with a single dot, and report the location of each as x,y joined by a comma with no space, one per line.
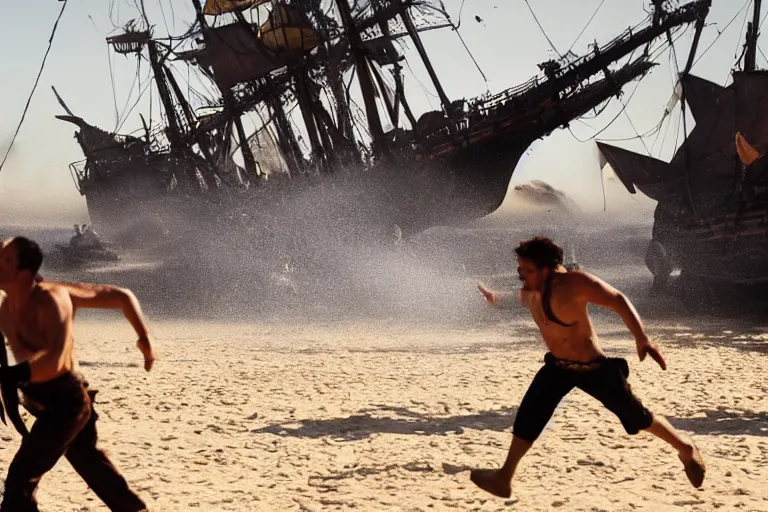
542,251
29,254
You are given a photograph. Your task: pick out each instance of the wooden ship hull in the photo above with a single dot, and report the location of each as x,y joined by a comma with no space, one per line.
711,219
451,166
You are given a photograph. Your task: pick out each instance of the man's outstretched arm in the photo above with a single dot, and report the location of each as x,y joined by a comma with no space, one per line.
501,300
104,296
594,290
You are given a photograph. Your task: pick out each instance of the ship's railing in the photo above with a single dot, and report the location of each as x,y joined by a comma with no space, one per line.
486,108
79,172
486,103
476,124
158,137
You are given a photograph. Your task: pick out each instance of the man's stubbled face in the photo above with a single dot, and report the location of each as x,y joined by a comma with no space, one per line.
532,276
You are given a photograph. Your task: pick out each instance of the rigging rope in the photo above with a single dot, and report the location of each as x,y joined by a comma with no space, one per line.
680,121
655,130
37,80
142,87
761,53
461,9
664,138
111,12
642,140
173,12
653,55
542,29
658,133
455,28
91,18
165,21
738,43
423,87
624,107
585,27
485,79
137,77
141,94
112,81
721,32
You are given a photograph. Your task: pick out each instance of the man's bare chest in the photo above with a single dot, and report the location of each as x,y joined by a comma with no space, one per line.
536,308
561,319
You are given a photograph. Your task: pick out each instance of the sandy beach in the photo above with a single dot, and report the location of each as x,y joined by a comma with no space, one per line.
385,416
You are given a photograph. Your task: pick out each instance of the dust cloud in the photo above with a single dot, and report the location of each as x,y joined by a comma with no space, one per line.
325,255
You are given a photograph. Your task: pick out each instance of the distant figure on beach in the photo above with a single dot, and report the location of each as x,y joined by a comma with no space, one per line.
85,238
37,318
558,300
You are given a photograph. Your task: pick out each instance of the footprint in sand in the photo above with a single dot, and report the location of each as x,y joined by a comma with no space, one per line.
452,469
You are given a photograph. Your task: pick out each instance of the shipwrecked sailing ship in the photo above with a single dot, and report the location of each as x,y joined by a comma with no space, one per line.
447,166
711,220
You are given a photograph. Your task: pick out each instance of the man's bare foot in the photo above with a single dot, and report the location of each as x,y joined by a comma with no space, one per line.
491,480
693,462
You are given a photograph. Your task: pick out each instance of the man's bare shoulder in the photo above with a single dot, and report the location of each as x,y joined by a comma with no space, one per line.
93,295
589,287
76,289
52,297
582,283
577,279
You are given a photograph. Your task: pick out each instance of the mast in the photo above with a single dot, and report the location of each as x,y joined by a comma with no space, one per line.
286,138
304,97
334,75
391,109
400,92
248,159
753,31
174,130
414,33
392,54
688,65
200,17
363,72
188,114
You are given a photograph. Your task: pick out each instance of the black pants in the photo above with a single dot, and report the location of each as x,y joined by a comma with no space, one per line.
605,379
65,425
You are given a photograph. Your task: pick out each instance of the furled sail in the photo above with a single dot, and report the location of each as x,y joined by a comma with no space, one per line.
234,54
216,7
288,30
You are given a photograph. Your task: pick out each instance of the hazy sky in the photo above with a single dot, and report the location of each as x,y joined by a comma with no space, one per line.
507,45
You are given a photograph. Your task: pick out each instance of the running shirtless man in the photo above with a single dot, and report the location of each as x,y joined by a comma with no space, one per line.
558,302
37,317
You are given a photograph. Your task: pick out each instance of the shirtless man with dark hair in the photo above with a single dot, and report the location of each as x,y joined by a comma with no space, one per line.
36,317
558,301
